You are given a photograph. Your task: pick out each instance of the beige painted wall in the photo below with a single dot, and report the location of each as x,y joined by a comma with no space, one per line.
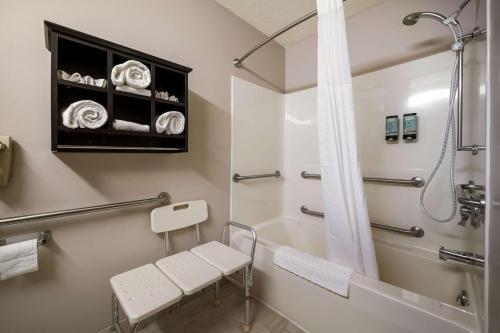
377,39
71,292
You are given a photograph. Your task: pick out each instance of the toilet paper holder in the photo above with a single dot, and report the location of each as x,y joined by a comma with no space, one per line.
42,237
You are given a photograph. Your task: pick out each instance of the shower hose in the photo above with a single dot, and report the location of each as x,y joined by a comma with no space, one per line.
450,127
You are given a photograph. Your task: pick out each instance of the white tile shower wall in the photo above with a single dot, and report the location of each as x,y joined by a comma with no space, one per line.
279,132
257,147
419,86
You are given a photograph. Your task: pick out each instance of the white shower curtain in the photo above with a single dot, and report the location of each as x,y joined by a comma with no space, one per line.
348,233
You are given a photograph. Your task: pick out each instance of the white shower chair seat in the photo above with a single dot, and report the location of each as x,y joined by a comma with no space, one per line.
224,258
148,289
142,292
188,272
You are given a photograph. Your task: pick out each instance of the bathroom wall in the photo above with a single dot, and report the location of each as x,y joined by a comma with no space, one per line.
378,39
71,292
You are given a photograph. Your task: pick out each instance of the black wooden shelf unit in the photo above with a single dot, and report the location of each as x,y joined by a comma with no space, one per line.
76,52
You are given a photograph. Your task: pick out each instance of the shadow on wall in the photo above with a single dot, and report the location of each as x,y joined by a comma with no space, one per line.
209,148
261,78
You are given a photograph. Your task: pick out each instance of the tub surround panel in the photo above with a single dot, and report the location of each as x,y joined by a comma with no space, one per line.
257,148
418,86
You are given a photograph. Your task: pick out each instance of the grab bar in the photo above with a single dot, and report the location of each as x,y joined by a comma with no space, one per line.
414,231
415,181
237,177
163,198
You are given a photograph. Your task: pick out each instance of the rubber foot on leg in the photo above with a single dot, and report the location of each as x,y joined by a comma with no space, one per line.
247,328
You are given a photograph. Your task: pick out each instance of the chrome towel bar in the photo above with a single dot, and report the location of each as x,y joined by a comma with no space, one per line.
415,181
414,231
237,177
41,238
163,198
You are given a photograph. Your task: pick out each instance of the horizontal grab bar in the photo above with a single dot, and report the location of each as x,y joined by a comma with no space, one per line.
162,198
414,231
415,181
237,177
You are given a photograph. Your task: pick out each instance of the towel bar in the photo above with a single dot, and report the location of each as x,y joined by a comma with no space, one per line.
41,238
414,231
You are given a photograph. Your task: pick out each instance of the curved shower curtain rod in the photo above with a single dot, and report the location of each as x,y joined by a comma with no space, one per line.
238,61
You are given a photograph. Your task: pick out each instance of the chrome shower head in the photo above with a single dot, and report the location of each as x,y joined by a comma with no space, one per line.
411,19
450,22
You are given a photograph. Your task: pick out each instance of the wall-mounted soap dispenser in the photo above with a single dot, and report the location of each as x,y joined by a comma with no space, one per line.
5,159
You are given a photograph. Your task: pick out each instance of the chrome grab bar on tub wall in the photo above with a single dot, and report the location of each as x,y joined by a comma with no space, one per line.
414,231
237,177
163,198
415,181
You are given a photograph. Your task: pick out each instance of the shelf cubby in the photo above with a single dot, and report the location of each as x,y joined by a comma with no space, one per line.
74,51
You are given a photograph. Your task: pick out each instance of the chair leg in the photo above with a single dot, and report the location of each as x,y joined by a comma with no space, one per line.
216,298
246,284
115,314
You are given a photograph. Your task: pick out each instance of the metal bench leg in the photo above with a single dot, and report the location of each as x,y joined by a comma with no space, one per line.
133,328
246,285
216,299
115,314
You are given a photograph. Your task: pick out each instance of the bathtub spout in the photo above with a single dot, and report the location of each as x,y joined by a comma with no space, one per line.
461,256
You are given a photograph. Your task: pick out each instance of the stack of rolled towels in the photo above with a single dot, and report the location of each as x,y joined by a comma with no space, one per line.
84,114
171,122
133,77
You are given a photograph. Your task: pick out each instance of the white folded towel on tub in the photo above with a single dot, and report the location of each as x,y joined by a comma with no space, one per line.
131,73
322,272
123,125
171,122
85,114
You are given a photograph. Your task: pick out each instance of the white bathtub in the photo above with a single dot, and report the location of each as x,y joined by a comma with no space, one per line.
416,293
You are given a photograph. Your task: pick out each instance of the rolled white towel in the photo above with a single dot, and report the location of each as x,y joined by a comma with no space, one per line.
84,114
123,125
132,90
171,122
132,73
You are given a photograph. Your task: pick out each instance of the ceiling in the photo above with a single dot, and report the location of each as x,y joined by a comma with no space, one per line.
268,16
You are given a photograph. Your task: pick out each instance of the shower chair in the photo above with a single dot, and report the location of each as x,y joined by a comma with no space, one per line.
151,288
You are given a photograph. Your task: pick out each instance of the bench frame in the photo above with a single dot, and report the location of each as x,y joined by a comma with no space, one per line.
246,284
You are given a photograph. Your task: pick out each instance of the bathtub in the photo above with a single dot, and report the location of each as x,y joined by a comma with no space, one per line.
417,292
